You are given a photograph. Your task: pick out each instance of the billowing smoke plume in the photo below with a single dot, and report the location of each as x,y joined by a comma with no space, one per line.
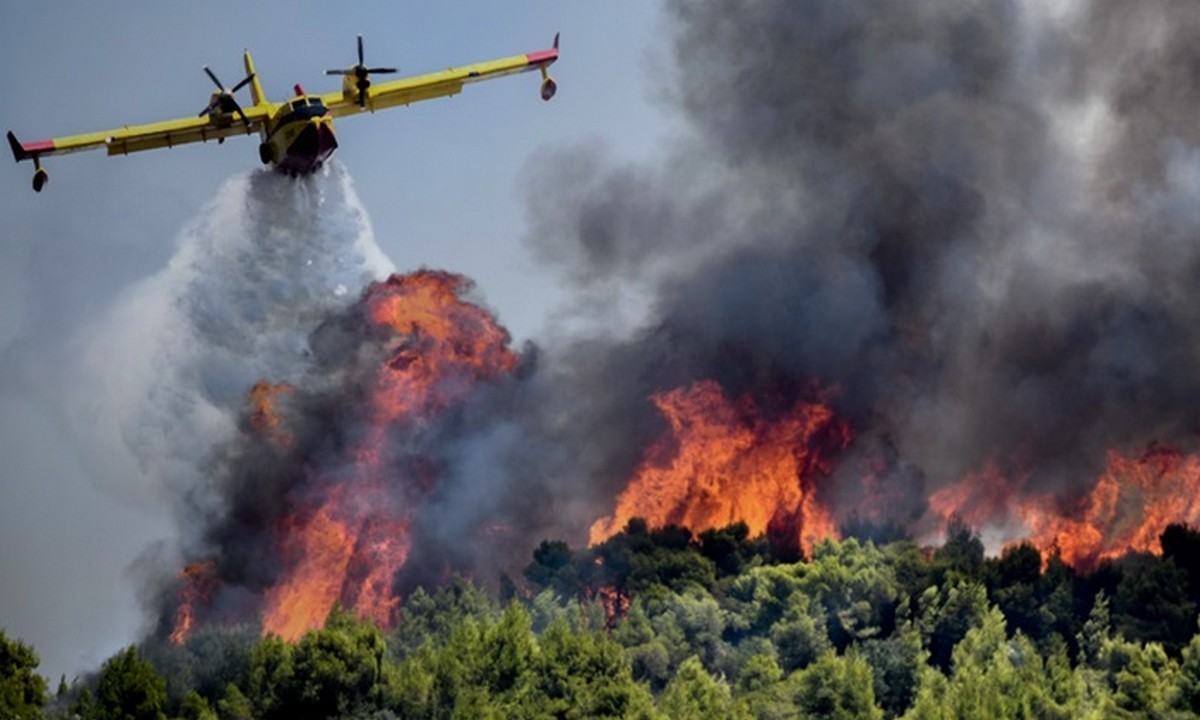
976,220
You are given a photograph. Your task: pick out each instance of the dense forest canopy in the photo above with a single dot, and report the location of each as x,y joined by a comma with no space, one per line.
661,623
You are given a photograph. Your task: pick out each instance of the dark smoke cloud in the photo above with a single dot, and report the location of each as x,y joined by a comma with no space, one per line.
975,219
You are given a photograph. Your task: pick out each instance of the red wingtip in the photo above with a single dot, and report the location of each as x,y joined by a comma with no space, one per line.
544,57
24,151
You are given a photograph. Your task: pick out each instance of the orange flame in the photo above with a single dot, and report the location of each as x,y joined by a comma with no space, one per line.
350,549
1127,510
721,462
322,545
199,580
448,345
980,499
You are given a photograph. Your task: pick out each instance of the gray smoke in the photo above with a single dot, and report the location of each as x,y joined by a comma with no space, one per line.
977,220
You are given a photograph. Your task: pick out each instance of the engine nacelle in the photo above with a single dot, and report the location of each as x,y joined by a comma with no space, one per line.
549,87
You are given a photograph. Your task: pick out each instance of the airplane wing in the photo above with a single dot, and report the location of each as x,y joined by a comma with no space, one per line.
134,138
406,91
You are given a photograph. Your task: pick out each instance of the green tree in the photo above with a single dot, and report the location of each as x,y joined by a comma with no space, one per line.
855,586
1181,545
211,658
1013,581
693,694
554,567
837,687
1188,694
430,618
1151,602
731,549
234,705
22,690
128,688
687,623
1096,633
508,646
648,654
1144,681
997,677
896,664
195,707
961,555
945,614
581,674
335,670
269,686
800,636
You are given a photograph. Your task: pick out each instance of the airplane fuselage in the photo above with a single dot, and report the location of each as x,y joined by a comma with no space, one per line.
299,137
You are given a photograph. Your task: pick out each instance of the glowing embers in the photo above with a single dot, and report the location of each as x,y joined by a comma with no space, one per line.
722,461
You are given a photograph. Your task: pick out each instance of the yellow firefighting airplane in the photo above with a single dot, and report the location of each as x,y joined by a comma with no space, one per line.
297,134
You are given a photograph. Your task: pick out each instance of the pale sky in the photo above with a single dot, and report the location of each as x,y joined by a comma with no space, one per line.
440,181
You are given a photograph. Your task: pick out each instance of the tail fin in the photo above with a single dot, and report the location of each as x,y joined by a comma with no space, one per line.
256,89
18,150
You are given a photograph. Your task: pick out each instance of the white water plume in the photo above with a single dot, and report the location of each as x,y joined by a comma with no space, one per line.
165,376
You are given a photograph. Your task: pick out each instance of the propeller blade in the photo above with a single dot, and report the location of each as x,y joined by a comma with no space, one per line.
339,72
381,71
213,76
241,114
360,50
242,84
209,108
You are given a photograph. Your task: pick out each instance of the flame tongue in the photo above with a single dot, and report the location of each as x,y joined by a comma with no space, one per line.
322,545
1128,509
199,581
351,545
448,345
721,463
1125,510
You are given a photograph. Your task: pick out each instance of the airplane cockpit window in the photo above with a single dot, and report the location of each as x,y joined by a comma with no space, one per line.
306,108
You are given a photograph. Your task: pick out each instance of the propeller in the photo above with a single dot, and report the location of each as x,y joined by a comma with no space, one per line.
224,99
361,73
